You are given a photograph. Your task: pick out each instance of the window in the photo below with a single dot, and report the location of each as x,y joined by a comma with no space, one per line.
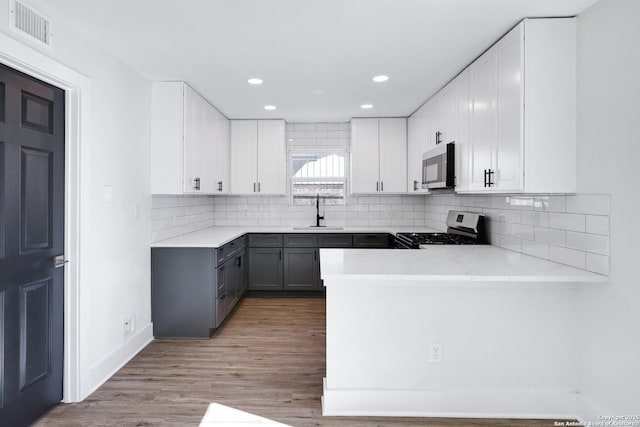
314,173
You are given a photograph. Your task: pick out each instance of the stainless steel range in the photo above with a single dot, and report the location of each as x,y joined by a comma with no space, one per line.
463,228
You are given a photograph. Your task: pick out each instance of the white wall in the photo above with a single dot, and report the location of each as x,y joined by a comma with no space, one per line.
115,274
608,156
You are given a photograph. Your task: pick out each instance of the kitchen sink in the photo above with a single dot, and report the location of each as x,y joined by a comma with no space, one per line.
313,227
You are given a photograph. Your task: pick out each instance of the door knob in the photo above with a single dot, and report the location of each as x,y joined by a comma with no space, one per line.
59,261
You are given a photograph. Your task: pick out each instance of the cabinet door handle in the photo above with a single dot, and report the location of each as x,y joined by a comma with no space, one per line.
258,187
415,185
239,262
377,186
280,255
485,177
438,137
196,183
381,185
315,255
219,185
491,172
254,187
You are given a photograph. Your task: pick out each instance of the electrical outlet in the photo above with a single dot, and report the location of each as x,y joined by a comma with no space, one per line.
128,325
435,352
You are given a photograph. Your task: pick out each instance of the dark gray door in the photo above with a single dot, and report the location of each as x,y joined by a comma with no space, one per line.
301,269
31,235
265,269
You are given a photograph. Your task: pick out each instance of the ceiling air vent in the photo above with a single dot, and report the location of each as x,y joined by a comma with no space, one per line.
28,22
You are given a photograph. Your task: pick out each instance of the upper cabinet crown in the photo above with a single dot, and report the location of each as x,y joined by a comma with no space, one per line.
189,142
258,157
378,155
523,111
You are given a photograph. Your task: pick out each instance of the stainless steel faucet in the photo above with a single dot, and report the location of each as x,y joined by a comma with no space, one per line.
318,217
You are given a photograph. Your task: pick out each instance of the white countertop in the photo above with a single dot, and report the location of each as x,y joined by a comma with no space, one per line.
448,263
214,237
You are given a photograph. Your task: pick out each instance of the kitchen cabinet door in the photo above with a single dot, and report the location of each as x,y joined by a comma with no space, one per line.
393,155
482,131
365,162
244,156
271,157
435,121
265,269
205,156
192,124
462,139
507,162
449,119
414,154
223,155
241,274
301,269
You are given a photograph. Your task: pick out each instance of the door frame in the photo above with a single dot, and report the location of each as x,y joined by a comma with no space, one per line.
30,61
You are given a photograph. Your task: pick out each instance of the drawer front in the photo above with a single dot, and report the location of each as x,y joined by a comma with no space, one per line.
335,240
299,240
371,240
265,240
225,252
240,243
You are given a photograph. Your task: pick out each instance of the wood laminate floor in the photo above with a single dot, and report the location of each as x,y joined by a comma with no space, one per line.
268,359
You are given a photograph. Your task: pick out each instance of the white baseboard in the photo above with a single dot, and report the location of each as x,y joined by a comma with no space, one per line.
458,403
588,410
99,373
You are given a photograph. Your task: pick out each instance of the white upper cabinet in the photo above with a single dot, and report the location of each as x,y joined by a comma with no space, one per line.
185,141
522,127
258,157
378,155
417,143
223,155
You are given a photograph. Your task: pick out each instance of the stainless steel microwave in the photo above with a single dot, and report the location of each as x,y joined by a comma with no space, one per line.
438,167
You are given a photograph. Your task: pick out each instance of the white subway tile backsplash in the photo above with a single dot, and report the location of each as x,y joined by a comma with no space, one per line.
540,250
563,221
550,203
588,242
597,224
538,219
566,256
550,236
525,232
598,263
588,204
539,225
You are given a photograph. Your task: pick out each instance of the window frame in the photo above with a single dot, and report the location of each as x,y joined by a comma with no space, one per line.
320,150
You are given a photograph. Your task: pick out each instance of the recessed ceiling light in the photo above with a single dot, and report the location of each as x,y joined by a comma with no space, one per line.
381,78
270,107
366,106
317,92
254,81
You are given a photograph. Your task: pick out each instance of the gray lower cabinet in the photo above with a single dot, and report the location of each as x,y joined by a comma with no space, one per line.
183,292
265,269
371,240
301,269
193,291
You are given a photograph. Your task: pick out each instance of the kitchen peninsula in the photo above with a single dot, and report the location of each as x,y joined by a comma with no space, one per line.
455,331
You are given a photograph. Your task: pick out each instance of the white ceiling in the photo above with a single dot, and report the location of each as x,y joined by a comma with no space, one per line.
297,46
